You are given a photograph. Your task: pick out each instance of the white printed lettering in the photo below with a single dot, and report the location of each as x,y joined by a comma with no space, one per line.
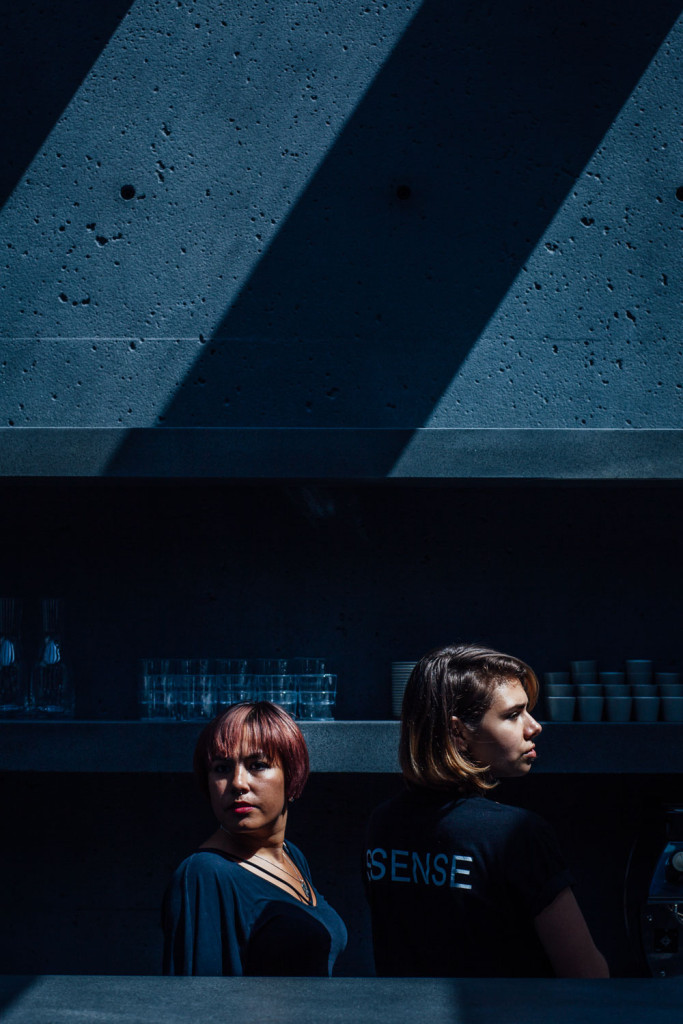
376,862
427,868
455,870
397,865
422,868
442,870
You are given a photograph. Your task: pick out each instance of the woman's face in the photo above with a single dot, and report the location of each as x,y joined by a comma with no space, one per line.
247,792
504,737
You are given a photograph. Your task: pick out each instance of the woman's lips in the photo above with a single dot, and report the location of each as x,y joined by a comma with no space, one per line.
241,808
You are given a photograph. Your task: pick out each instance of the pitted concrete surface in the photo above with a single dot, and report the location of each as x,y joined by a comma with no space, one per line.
352,215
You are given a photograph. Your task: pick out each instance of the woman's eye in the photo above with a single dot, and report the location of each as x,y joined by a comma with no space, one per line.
259,766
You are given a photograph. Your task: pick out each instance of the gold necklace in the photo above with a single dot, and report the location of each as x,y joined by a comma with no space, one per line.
303,882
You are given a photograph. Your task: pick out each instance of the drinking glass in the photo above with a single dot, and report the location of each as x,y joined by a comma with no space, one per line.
286,699
230,682
270,666
200,692
155,695
13,691
278,689
317,696
305,666
192,687
52,692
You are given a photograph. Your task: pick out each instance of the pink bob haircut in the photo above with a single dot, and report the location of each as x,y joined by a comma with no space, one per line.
254,726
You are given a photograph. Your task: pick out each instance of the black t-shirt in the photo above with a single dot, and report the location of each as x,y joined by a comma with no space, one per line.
454,886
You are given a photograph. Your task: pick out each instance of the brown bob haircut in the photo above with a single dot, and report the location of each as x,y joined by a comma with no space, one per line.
455,680
254,726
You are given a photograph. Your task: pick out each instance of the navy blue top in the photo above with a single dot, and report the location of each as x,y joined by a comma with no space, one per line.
219,918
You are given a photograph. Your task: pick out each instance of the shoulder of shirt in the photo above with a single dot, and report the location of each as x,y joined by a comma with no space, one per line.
206,864
415,798
508,814
388,805
478,805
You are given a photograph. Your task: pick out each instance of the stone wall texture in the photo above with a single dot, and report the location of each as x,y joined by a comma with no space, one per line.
359,214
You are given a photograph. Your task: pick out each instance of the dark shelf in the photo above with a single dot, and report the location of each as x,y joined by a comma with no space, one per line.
346,453
602,748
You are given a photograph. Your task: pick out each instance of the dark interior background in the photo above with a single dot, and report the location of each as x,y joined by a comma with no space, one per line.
88,856
361,574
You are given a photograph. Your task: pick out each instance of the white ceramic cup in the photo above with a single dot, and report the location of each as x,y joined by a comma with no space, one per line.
646,709
672,709
618,709
561,709
590,709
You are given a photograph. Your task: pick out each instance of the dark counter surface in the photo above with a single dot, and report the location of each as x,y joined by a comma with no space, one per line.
61,999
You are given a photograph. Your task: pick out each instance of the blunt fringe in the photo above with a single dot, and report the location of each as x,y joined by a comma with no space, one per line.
455,680
258,725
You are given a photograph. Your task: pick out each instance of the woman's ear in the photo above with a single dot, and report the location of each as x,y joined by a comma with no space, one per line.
458,731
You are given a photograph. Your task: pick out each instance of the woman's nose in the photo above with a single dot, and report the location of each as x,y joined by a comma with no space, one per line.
532,726
239,778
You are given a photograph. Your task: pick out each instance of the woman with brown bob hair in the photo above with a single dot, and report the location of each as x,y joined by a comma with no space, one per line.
458,884
245,902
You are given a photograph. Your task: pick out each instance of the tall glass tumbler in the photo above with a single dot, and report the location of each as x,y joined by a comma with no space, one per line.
306,666
13,688
156,699
269,666
52,689
278,689
195,694
231,685
317,696
191,685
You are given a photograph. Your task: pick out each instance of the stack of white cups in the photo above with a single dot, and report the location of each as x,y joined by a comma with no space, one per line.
400,671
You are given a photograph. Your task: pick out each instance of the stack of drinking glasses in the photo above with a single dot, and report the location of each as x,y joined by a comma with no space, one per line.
46,690
13,683
633,694
197,689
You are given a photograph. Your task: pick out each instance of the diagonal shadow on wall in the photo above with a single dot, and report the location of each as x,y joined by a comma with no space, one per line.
46,50
423,212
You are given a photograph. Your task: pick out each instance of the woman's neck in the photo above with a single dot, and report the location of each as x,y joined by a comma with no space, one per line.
245,845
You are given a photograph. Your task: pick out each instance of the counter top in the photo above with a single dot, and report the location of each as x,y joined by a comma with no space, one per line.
57,999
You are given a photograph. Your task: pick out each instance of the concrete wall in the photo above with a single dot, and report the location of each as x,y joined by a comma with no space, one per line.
359,214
